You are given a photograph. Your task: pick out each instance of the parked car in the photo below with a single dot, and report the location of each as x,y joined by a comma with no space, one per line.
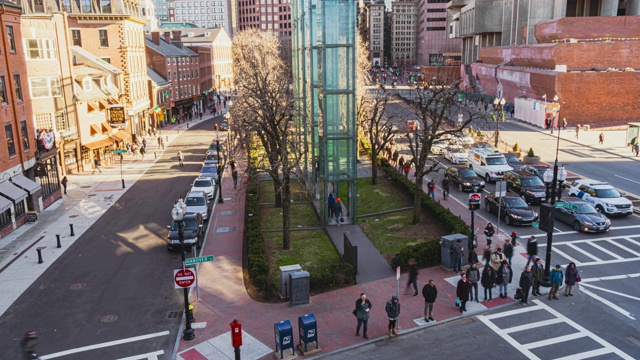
581,215
513,209
411,125
192,233
537,170
484,145
465,139
209,171
604,197
438,146
456,154
465,179
526,185
198,202
489,165
205,185
211,158
213,147
514,162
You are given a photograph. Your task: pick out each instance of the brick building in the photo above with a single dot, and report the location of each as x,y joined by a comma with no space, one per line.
434,47
270,16
159,97
206,75
221,62
167,55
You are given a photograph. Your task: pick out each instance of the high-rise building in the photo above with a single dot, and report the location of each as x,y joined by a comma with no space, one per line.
267,16
435,47
148,9
404,22
162,10
374,23
205,13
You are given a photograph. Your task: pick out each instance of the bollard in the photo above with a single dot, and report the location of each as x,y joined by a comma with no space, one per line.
58,240
39,250
167,137
155,156
71,227
190,314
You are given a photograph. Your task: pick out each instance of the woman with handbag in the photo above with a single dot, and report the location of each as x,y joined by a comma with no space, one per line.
571,277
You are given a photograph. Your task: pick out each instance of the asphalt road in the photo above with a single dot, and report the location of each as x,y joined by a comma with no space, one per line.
115,282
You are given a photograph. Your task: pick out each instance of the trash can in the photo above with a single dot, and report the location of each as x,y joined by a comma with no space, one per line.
299,288
284,337
308,331
446,248
284,279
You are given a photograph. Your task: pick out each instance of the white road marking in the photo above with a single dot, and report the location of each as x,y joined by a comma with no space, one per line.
104,345
612,292
564,255
150,356
608,303
584,252
586,354
626,248
612,254
536,324
608,262
554,340
626,179
614,277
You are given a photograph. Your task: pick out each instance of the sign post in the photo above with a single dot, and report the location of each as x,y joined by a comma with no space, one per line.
398,292
184,278
474,204
501,190
120,152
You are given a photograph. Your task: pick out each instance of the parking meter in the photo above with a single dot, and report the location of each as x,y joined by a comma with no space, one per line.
236,333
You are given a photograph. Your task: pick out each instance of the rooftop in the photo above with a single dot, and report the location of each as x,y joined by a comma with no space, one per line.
166,49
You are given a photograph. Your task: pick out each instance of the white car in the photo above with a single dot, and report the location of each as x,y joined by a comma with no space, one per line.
604,197
205,185
438,146
456,154
465,139
198,202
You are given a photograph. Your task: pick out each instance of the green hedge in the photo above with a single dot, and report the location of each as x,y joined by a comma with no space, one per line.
257,265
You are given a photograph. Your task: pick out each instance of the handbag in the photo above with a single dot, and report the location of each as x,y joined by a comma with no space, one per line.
518,294
355,312
457,303
578,278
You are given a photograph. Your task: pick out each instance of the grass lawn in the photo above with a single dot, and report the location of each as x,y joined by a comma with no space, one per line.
267,193
381,197
309,249
303,215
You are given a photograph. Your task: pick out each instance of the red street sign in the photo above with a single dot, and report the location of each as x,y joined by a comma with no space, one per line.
474,201
184,278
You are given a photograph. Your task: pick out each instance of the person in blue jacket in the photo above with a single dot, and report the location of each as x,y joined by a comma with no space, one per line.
555,278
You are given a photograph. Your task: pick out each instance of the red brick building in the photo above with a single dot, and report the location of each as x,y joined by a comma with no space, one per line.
273,16
206,79
167,56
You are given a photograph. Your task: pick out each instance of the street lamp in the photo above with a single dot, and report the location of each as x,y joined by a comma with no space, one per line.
555,110
177,213
219,167
498,105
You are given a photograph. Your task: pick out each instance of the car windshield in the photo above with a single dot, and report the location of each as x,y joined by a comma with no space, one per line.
531,181
213,147
189,224
196,201
209,169
515,202
467,173
212,157
607,193
440,142
202,183
496,160
585,209
457,150
512,158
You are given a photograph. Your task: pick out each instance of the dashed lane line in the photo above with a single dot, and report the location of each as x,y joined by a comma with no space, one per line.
104,345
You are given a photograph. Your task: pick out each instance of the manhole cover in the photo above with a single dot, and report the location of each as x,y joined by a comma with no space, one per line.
77,286
73,216
174,314
108,318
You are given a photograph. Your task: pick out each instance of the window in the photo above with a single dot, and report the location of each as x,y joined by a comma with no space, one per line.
44,121
25,135
3,90
75,37
104,40
40,49
11,146
107,60
62,122
5,219
170,94
18,85
168,61
106,6
169,75
11,39
86,84
42,87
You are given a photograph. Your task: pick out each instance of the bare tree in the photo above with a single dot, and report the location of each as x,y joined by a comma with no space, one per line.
378,127
264,111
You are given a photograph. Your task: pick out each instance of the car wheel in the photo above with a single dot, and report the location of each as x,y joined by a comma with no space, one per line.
507,220
460,187
600,209
576,225
488,207
486,177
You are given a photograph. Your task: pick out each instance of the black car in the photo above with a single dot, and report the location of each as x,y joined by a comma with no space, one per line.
537,170
465,179
513,161
513,210
193,232
581,215
527,185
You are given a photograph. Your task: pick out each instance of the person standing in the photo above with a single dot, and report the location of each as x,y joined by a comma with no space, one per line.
401,163
28,345
445,186
331,204
497,258
363,312
337,210
473,256
532,249
504,275
393,312
538,276
142,152
489,231
601,137
526,280
488,281
430,293
577,131
180,158
413,276
64,182
458,253
407,168
462,292
555,278
234,175
636,148
473,276
96,166
431,186
486,255
570,278
508,250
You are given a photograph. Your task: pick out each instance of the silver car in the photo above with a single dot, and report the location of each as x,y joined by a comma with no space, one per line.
197,202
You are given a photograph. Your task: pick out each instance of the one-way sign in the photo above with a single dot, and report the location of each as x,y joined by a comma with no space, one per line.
198,260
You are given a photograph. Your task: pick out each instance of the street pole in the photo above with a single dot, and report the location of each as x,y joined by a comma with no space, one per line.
498,105
121,177
178,214
220,168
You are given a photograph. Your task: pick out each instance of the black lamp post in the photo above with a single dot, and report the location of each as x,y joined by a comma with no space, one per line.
498,106
179,209
220,167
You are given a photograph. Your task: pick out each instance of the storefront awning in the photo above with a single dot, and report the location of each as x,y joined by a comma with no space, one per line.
121,135
12,192
25,183
98,144
4,204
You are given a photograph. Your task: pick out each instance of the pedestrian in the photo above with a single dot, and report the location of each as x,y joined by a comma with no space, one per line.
445,186
64,182
134,148
488,232
488,281
407,168
526,280
144,142
486,255
142,152
538,276
413,276
473,276
393,312
337,210
362,313
180,158
28,345
633,144
532,249
430,293
577,130
232,164
96,166
331,203
636,149
401,163
396,155
234,175
601,137
555,278
570,278
462,292
504,275
564,123
431,186
159,141
458,253
508,250
497,258
473,256
200,114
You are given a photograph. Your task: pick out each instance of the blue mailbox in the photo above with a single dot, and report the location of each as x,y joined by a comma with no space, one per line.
284,337
308,328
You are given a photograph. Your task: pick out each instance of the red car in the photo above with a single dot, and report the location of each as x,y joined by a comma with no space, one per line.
411,125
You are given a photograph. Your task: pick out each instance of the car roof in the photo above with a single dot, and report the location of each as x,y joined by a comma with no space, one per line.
196,193
507,195
522,173
573,201
202,178
594,183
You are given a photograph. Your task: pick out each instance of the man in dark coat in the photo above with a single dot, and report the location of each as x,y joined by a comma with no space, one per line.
430,293
526,280
362,313
538,276
462,292
532,249
458,253
413,276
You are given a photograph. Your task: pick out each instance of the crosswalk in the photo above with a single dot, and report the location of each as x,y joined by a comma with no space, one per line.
599,251
591,345
99,347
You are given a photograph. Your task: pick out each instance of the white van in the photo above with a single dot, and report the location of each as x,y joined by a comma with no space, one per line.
489,165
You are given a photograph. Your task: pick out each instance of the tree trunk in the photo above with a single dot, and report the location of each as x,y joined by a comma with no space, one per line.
417,200
286,212
278,193
374,166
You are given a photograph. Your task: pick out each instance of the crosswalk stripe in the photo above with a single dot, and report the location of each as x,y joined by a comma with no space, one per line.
610,253
554,340
511,312
105,344
532,325
584,252
586,354
150,356
564,255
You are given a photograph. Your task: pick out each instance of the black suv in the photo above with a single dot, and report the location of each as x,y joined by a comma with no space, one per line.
193,232
465,179
527,185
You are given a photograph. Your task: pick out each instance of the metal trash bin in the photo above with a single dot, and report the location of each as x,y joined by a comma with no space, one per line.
308,331
299,288
284,337
446,248
284,279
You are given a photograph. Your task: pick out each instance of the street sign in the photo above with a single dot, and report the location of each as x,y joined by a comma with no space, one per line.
198,260
565,205
536,225
460,118
120,151
501,188
398,273
474,201
184,278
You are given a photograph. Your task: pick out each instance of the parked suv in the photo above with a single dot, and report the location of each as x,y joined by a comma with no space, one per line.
604,197
193,232
489,165
527,185
198,202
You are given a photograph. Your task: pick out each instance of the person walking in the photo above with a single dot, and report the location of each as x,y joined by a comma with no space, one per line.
337,210
431,186
445,186
413,276
473,256
458,253
508,250
396,155
362,312
331,204
570,278
234,175
488,281
489,231
636,147
532,249
555,278
504,275
538,276
577,131
497,258
232,164
407,168
430,293
462,292
601,137
526,280
96,166
64,182
180,158
564,123
28,345
486,255
473,276
401,163
393,312
143,151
